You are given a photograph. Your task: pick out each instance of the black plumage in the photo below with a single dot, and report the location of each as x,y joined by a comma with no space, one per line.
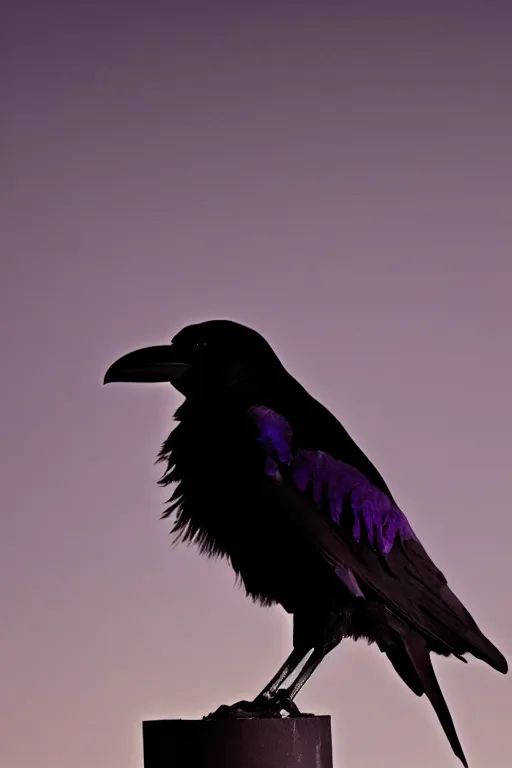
267,477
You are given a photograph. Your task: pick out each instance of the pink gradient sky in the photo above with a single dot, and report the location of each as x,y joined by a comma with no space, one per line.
335,174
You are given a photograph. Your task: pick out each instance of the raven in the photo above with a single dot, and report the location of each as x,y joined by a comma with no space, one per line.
268,478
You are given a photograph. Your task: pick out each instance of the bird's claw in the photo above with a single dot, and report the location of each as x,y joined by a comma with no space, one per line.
240,709
282,700
261,707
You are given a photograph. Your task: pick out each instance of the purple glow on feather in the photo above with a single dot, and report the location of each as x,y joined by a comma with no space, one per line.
326,476
275,433
350,581
272,470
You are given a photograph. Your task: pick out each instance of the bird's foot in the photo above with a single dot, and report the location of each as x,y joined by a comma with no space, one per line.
244,709
261,707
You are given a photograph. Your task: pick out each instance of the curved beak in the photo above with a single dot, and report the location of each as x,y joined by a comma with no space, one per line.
150,364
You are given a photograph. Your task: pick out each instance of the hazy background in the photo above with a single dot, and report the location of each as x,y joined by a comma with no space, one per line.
335,174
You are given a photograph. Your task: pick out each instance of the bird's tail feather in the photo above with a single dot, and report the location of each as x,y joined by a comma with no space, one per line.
477,643
401,661
419,655
482,648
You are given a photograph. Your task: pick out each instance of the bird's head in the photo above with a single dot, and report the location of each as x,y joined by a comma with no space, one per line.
206,357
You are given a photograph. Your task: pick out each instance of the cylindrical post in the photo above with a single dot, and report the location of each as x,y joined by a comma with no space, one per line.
290,742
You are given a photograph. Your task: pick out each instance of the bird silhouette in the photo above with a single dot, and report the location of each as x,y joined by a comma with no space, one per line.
268,478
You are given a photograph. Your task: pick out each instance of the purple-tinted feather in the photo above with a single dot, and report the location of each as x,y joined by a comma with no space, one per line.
341,483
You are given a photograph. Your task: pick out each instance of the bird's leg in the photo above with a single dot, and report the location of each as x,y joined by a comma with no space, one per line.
331,636
276,697
288,694
295,658
271,701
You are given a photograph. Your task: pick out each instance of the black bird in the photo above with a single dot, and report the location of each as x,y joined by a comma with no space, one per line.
268,478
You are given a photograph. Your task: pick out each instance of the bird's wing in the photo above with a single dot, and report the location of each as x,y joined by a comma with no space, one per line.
366,538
